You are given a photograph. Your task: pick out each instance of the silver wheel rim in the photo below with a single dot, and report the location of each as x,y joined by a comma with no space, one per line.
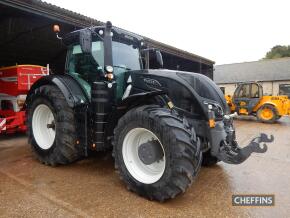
146,174
43,135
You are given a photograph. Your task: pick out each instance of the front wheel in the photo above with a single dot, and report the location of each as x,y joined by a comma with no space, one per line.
267,114
155,153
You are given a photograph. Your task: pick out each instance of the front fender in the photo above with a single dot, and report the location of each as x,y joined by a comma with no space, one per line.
138,98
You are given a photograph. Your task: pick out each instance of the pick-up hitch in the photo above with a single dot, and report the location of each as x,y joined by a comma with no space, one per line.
233,154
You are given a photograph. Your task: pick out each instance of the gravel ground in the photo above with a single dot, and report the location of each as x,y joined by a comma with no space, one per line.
91,188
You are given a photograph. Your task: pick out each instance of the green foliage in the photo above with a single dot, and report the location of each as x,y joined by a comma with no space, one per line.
278,51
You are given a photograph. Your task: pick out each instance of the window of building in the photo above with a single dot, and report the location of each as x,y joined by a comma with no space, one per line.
284,89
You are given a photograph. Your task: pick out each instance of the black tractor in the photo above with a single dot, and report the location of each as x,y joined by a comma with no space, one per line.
162,125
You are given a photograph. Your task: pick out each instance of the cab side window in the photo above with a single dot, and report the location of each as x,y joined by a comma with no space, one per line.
87,66
255,91
244,91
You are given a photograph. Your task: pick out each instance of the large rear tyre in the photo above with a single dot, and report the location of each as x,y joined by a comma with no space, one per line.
267,114
155,153
51,127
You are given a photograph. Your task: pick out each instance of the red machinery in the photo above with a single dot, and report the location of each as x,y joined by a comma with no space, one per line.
15,83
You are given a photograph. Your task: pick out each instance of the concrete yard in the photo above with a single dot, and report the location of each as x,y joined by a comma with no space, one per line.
91,188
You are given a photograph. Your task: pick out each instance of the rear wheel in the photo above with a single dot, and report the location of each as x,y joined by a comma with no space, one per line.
267,114
42,117
51,127
155,153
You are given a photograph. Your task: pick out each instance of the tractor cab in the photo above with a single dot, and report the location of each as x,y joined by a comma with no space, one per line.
96,64
97,53
246,97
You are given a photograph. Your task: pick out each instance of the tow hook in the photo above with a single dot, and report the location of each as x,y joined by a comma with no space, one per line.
231,153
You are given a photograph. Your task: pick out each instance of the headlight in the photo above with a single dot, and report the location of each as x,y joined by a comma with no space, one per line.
109,69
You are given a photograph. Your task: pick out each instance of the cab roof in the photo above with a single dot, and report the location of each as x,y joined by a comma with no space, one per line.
118,34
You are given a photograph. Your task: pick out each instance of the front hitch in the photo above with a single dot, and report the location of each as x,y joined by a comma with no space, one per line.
231,153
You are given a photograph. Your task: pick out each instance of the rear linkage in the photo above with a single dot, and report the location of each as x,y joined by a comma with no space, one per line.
231,153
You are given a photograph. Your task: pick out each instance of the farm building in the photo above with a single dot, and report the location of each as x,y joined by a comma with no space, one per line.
273,75
27,38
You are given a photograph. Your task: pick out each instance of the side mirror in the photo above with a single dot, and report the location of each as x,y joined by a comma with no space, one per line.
86,41
159,58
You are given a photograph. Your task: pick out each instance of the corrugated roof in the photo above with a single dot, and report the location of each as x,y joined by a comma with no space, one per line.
264,70
52,11
67,16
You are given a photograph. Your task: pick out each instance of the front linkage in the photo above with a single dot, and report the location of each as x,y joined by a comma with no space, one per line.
230,152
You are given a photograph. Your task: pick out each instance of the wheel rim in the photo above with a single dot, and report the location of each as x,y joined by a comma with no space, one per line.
146,174
267,114
43,126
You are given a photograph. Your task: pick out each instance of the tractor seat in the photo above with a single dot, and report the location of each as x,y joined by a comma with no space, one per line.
87,68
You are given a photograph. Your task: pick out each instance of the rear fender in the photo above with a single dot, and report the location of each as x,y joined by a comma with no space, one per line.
267,103
73,92
76,98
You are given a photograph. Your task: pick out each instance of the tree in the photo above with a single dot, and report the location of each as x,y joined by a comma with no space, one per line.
278,51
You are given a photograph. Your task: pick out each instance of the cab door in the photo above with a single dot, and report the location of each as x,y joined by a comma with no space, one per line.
246,97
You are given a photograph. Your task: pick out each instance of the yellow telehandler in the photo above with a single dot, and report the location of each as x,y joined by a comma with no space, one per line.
248,99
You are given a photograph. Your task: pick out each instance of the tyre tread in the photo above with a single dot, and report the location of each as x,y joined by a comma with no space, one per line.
185,153
65,150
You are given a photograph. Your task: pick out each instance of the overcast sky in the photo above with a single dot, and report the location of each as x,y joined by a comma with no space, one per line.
226,31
